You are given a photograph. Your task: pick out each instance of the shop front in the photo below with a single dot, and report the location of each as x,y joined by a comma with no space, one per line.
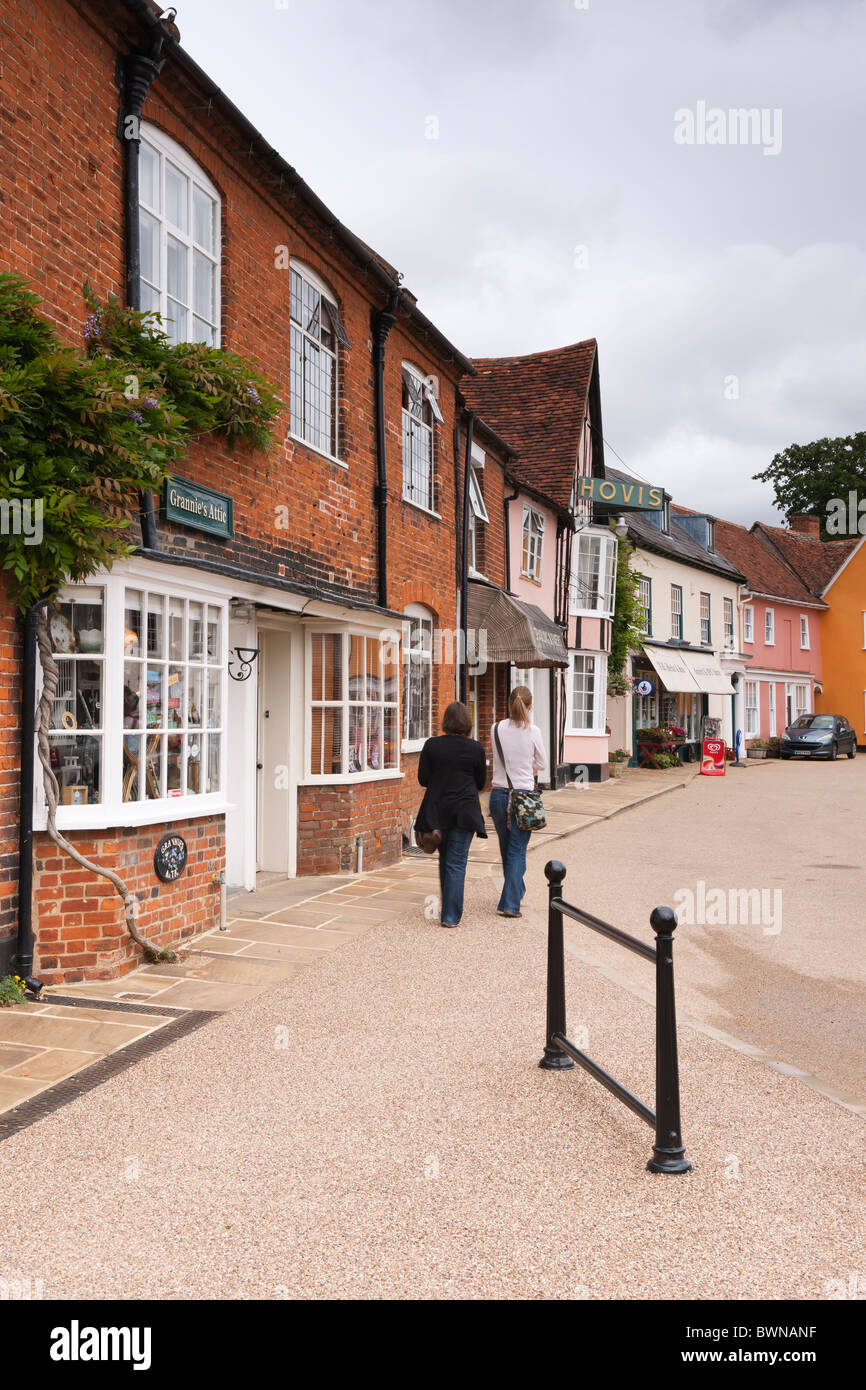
675,688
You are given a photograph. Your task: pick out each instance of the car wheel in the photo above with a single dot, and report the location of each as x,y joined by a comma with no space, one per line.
834,752
852,752
785,757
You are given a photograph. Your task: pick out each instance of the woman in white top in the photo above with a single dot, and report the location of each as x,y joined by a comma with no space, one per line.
523,751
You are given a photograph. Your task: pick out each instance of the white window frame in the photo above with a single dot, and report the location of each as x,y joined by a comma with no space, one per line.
418,613
599,723
772,695
168,150
646,607
324,291
477,512
597,603
769,627
748,623
366,774
752,709
112,811
423,426
677,630
728,624
805,635
532,543
802,700
706,618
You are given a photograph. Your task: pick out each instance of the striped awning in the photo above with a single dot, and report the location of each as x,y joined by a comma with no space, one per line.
503,628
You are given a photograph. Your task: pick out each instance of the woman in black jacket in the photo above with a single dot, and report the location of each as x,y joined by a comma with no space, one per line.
454,770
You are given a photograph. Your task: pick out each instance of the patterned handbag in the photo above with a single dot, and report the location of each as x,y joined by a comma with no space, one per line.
527,807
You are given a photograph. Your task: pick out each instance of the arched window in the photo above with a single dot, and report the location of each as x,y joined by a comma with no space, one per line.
420,409
417,675
316,329
179,221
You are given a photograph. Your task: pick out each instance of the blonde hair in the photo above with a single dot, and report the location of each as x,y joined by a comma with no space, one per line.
519,705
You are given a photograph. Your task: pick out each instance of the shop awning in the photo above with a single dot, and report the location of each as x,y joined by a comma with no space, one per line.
512,630
708,673
687,672
671,669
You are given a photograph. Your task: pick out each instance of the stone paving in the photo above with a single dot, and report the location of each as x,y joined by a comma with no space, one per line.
272,935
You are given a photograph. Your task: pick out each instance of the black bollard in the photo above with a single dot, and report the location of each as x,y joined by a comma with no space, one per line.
554,1058
668,1149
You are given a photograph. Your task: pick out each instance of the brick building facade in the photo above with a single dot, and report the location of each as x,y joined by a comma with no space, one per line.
261,686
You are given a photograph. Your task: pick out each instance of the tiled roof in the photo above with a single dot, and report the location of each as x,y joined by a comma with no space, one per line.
537,404
765,571
677,544
814,560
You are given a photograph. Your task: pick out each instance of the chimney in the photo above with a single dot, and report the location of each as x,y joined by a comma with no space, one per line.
806,525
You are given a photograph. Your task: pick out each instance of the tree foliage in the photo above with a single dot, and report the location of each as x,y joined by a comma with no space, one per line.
627,631
806,477
82,431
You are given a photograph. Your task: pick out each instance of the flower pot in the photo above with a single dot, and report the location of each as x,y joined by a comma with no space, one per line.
616,769
756,752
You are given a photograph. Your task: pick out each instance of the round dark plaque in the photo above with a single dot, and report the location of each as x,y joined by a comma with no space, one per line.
169,857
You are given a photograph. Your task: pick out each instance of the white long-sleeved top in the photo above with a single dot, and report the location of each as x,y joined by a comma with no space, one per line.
523,748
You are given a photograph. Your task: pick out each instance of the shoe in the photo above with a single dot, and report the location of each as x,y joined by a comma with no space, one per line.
449,924
503,912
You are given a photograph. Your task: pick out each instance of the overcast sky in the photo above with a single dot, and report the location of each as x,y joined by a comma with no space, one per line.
726,286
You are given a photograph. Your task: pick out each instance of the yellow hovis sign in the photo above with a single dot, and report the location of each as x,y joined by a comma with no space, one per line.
626,497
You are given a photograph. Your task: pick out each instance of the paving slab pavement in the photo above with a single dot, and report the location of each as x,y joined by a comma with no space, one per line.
378,1127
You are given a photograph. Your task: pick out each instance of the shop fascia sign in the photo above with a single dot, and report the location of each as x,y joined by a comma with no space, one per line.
191,504
623,497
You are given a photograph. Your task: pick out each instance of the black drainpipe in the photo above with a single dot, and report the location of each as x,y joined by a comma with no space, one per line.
24,944
506,506
136,72
464,562
381,323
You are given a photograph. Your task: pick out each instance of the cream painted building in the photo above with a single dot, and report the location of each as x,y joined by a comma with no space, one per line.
690,665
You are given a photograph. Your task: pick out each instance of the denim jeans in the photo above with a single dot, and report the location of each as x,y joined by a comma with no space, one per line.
453,853
512,847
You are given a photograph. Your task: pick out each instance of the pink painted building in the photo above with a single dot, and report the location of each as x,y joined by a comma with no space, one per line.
780,633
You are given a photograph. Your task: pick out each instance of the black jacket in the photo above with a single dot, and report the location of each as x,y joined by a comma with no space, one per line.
454,770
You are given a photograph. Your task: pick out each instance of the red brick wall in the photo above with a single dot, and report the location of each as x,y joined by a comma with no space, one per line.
10,752
81,931
330,819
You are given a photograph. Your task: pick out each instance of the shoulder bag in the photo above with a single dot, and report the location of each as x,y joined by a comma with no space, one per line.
527,807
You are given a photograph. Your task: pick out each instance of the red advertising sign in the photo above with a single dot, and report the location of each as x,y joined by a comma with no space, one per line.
713,762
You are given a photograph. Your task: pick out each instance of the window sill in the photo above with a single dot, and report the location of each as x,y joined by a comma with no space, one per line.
412,745
590,613
427,511
132,813
305,444
530,578
350,779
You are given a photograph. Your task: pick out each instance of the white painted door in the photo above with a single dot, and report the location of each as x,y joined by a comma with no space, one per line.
274,762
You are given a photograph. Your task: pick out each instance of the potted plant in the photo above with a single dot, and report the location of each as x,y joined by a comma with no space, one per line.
617,762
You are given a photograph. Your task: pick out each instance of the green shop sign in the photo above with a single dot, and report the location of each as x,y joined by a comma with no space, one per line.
624,497
190,504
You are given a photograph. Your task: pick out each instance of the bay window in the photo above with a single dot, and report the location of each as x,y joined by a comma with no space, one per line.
353,705
179,226
138,719
595,573
587,702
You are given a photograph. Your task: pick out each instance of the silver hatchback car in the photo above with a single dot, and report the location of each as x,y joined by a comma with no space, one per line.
819,736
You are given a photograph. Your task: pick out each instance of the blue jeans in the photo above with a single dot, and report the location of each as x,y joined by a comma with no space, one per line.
453,853
512,847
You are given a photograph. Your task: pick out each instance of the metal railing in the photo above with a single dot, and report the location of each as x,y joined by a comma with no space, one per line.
668,1154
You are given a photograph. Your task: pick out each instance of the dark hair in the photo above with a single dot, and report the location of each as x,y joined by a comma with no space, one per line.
457,720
